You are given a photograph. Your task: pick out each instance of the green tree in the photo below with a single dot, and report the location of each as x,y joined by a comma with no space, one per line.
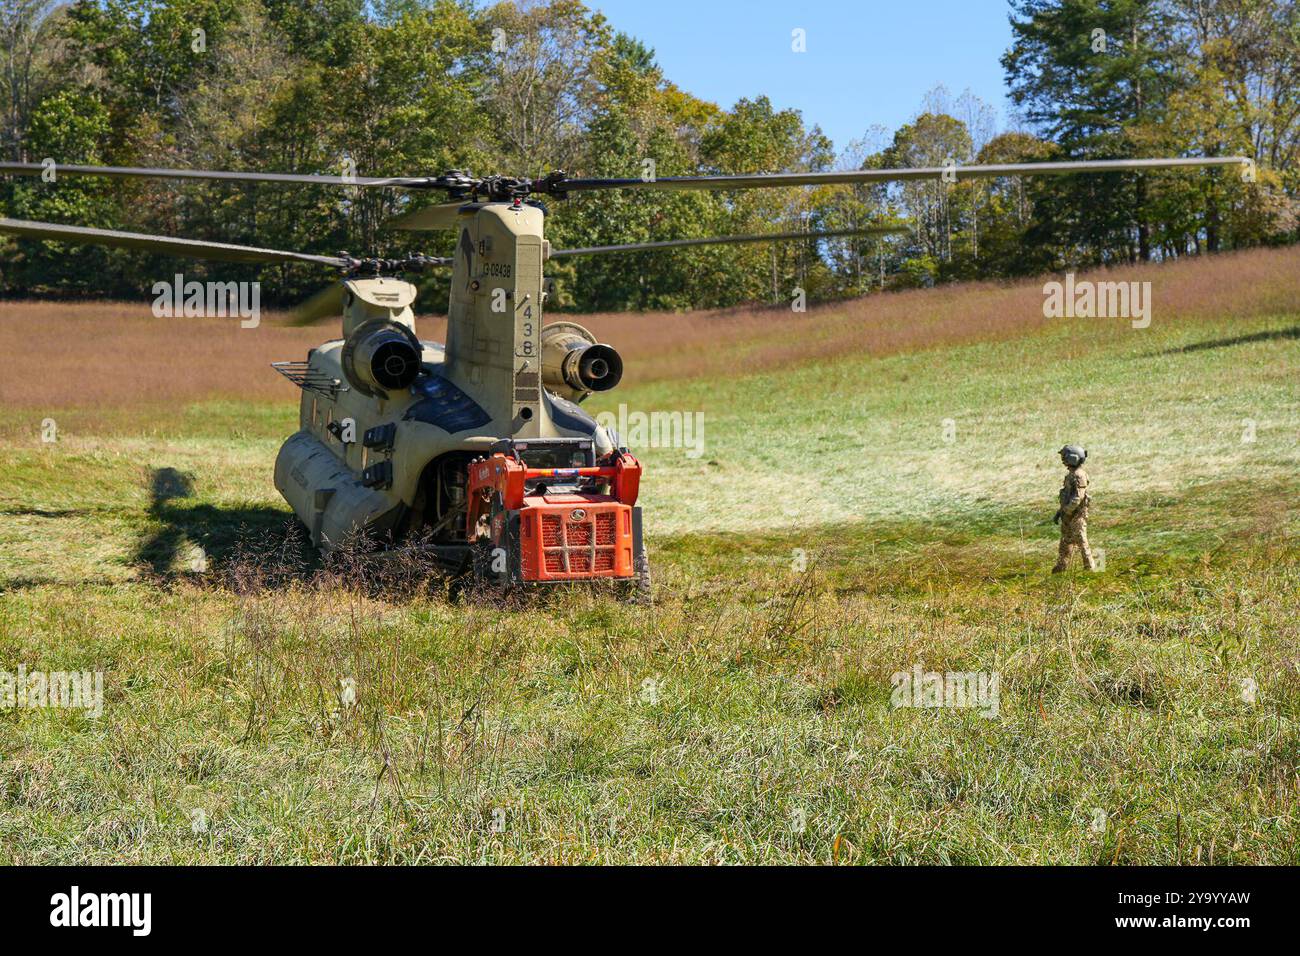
544,82
641,127
27,54
754,137
931,140
66,127
1096,76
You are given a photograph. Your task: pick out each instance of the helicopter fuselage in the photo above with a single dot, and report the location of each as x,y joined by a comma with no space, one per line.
391,462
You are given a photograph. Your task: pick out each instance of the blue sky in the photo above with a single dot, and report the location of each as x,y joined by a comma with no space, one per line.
867,61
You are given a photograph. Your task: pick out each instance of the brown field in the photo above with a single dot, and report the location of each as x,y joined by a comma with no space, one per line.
100,355
95,354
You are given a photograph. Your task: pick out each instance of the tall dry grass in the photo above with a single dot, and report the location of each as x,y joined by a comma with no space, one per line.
98,354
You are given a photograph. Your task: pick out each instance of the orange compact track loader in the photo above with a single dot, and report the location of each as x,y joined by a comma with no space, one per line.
545,511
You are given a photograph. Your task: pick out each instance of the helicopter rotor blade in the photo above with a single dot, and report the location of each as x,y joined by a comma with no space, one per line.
428,218
557,183
133,172
722,240
186,248
327,303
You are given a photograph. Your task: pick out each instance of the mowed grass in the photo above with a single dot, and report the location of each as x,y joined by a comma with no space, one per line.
847,519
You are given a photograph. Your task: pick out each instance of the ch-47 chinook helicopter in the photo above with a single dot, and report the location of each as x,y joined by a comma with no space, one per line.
478,446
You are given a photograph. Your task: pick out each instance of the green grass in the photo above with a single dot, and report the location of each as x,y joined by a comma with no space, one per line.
746,717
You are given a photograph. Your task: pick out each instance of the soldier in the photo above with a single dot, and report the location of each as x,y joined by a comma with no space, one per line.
1073,513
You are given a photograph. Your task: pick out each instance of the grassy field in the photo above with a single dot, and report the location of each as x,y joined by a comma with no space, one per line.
868,498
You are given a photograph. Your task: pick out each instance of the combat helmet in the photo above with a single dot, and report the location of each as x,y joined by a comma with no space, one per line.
1073,455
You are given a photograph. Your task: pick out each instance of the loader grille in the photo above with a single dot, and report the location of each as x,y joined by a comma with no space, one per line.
579,547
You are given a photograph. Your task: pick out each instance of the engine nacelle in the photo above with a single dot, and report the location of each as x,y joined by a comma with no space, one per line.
381,356
574,364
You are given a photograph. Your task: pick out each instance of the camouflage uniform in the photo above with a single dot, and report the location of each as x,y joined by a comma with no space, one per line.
1074,520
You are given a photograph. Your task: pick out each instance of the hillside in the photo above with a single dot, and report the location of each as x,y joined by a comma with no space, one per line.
140,360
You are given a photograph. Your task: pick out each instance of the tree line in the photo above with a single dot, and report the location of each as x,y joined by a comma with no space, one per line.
412,87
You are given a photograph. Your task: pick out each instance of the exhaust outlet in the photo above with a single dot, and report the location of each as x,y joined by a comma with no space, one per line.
593,368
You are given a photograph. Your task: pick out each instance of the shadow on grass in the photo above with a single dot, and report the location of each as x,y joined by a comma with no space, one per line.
1271,335
52,513
207,533
259,549
14,585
